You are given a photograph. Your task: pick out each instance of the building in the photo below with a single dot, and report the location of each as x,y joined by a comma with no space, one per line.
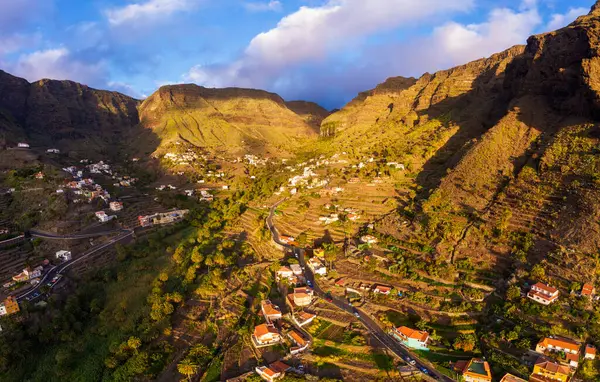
296,269
380,289
53,151
301,343
317,267
102,216
587,290
301,297
475,370
273,372
28,274
542,293
549,344
39,175
265,335
23,145
284,273
116,206
270,311
64,255
590,352
319,252
412,338
546,371
303,318
287,239
368,239
572,360
9,306
511,378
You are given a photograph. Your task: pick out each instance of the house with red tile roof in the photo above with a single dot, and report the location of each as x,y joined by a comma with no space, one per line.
512,378
381,289
475,370
301,343
587,290
548,371
265,335
542,293
270,311
303,318
550,344
412,338
590,352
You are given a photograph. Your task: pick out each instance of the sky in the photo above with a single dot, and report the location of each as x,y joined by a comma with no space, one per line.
324,51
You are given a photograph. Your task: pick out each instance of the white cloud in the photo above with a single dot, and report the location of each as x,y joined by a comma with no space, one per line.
312,33
58,64
455,43
147,11
558,20
272,5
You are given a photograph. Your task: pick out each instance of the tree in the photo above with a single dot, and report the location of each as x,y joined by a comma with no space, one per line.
538,272
134,343
513,293
187,368
465,342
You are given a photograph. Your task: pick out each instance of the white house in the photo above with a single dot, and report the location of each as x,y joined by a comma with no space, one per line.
116,206
53,151
542,293
23,145
296,269
317,267
64,255
103,217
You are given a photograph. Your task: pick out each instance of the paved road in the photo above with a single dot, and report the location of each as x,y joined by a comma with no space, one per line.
51,236
377,331
60,269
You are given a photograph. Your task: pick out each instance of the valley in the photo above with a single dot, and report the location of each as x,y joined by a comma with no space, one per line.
440,228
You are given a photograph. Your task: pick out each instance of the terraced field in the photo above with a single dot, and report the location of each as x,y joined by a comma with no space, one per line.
370,202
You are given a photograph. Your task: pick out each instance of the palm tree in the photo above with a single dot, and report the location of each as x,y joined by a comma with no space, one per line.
187,368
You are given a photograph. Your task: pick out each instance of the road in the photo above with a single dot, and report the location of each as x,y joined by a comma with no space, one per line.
51,236
59,269
373,327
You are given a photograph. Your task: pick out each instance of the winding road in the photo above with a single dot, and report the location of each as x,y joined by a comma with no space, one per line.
376,330
59,269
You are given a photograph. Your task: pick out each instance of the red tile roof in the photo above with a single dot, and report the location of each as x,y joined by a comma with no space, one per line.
589,349
414,334
264,329
279,367
562,343
587,289
546,288
552,367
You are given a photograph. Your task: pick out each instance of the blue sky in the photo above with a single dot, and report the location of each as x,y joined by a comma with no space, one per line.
319,50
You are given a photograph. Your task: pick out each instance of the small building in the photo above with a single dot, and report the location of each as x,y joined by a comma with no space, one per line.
303,318
475,370
317,267
380,289
545,370
301,296
572,360
542,293
368,239
270,311
64,255
23,145
102,216
284,273
590,352
287,239
511,378
274,371
587,290
265,335
296,269
549,344
116,206
9,306
412,338
319,252
53,151
39,175
297,338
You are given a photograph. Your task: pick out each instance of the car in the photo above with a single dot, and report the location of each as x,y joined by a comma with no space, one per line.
328,297
357,315
413,362
309,283
425,371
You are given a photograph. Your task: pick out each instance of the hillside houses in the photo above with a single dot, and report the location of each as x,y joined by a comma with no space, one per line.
543,294
28,274
270,311
546,370
265,335
273,372
300,297
412,338
9,306
317,266
475,370
64,255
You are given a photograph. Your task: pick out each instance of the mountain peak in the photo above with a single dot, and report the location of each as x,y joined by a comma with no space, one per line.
595,8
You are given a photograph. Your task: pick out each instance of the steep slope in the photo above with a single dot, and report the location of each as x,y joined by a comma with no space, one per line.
312,113
228,120
512,137
13,100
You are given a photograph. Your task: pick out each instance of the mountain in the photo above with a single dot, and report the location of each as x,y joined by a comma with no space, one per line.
73,116
507,143
312,113
230,120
